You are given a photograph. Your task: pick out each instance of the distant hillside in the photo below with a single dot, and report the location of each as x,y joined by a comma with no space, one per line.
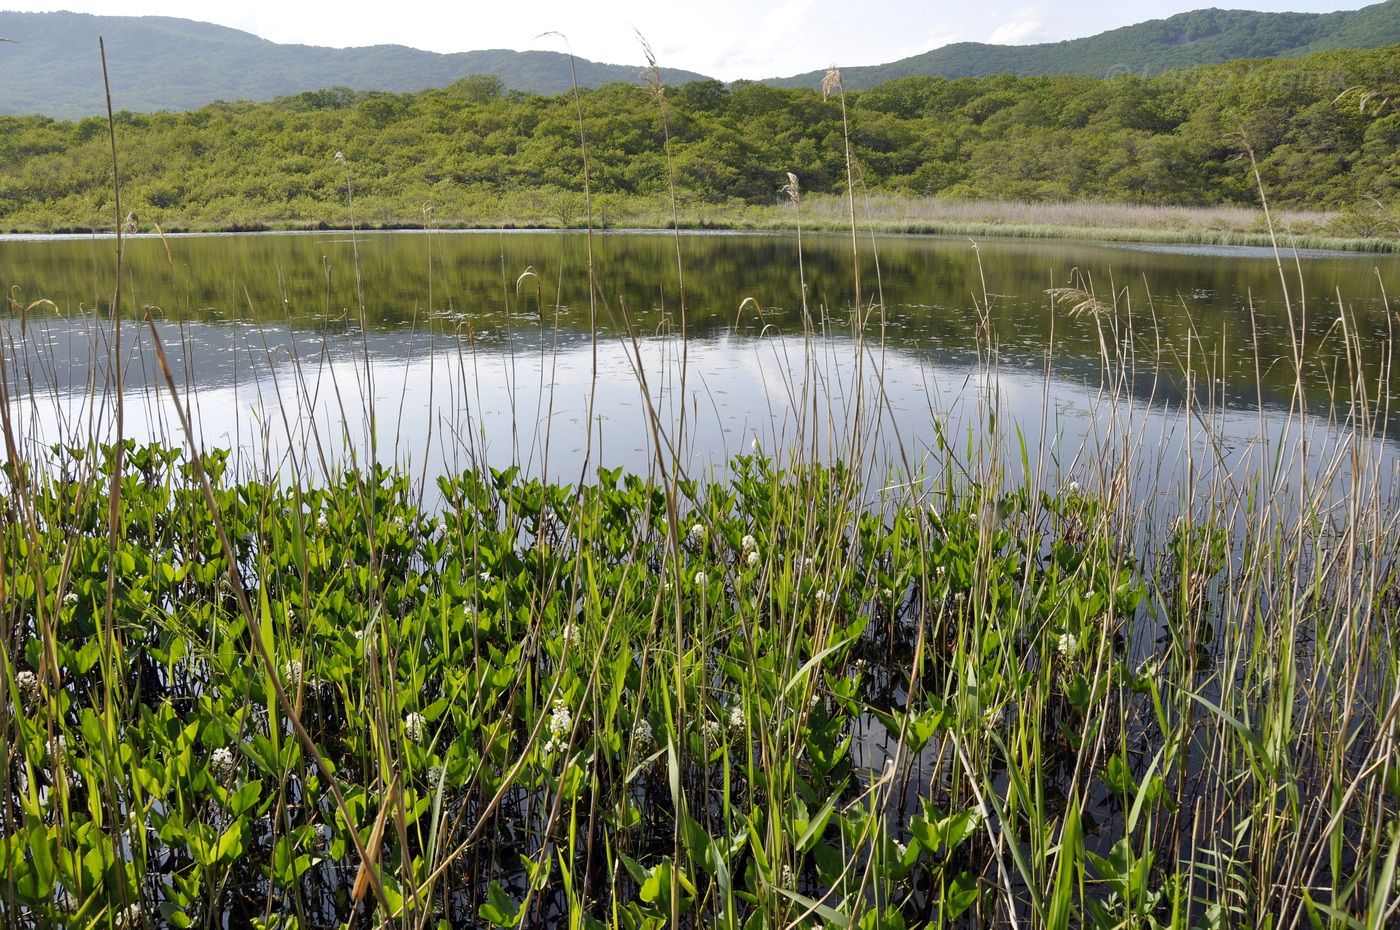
1188,39
161,63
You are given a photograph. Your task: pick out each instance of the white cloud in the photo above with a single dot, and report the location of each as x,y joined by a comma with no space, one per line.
1025,26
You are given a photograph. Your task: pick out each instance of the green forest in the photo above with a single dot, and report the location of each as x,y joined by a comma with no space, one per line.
473,153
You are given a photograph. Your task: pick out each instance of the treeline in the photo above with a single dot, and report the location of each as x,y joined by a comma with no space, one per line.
471,153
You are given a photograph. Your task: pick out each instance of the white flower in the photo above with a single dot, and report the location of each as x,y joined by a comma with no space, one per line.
900,849
820,595
322,523
748,543
711,730
1068,644
222,763
572,635
561,721
887,594
666,586
434,775
1072,487
700,579
697,533
292,671
860,666
788,879
486,577
71,597
736,716
129,918
414,725
752,557
27,684
641,733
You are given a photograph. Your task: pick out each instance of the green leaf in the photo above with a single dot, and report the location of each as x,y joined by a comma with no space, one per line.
500,910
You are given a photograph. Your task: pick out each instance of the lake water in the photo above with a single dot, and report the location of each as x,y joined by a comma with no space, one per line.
484,347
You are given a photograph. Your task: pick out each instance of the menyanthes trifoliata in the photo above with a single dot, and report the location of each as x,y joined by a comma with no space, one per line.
27,687
222,763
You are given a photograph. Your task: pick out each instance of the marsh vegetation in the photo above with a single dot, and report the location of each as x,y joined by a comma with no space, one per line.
878,668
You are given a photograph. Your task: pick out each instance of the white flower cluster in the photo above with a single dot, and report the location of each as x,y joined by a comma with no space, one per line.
27,685
750,547
292,671
71,597
572,635
711,730
1068,645
697,534
642,735
751,558
788,879
900,849
701,579
414,726
561,721
736,716
486,577
222,764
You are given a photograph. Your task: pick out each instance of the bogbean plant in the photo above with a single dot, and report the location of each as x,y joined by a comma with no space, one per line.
774,699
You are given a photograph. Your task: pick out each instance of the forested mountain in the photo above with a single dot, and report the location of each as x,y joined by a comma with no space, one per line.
1201,37
469,154
161,63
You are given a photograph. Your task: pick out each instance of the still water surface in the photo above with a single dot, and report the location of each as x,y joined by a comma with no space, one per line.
472,348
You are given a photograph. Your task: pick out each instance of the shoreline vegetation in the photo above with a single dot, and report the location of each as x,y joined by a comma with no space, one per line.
894,215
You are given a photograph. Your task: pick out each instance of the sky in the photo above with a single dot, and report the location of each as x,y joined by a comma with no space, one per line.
727,39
